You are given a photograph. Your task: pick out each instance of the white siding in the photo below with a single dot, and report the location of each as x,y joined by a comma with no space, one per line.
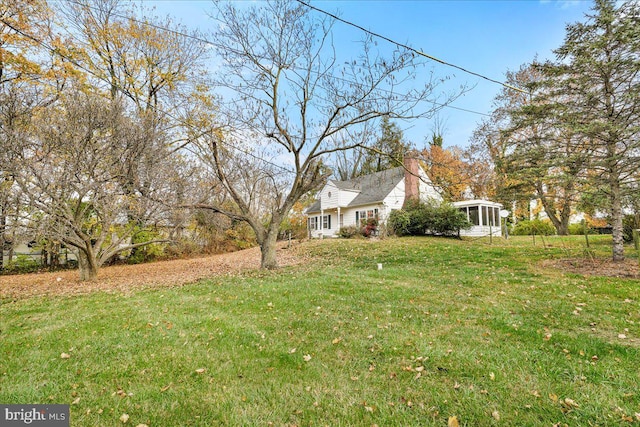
329,196
395,198
347,196
427,189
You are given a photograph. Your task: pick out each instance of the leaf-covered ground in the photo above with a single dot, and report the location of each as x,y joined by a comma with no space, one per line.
605,267
124,278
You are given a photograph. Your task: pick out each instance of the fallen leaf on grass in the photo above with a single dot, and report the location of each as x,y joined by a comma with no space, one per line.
496,415
165,388
65,356
568,405
124,418
306,357
453,422
76,401
201,370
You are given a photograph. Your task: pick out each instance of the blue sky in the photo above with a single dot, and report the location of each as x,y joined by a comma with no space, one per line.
487,37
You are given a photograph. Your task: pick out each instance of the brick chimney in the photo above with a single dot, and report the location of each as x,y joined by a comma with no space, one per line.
411,178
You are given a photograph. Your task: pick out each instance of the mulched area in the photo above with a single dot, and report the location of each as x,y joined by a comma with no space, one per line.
628,269
125,278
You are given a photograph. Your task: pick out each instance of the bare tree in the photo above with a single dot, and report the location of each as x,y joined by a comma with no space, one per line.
69,168
290,98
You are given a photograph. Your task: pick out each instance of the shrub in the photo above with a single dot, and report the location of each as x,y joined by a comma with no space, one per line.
446,220
398,222
349,232
369,227
577,229
22,264
145,253
535,226
418,219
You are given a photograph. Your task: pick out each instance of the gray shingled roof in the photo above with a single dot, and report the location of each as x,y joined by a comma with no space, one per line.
315,207
373,188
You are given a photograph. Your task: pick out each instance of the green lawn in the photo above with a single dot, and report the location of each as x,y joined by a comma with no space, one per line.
446,328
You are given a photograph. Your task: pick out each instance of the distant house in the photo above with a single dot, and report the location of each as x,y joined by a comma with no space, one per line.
347,203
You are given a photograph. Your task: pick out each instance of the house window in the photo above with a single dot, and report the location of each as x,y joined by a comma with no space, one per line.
313,223
496,216
341,220
361,216
485,217
326,222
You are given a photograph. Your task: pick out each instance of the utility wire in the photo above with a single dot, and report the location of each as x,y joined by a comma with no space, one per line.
404,46
122,90
210,43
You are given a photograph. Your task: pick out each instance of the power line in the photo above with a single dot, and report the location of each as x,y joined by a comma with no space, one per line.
190,36
409,48
146,23
122,90
210,43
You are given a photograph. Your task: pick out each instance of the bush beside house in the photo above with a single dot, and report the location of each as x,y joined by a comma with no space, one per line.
418,219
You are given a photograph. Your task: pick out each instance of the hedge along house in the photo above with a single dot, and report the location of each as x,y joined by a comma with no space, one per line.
484,217
347,203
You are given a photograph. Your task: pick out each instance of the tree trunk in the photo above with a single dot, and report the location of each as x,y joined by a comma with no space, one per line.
55,255
87,266
269,259
560,221
616,222
3,226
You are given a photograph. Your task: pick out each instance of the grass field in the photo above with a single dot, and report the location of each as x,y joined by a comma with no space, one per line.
446,328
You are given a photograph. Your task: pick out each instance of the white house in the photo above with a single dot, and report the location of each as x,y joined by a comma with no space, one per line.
346,203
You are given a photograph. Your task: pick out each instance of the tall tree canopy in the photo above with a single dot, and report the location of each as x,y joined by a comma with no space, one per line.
534,153
576,137
290,98
597,78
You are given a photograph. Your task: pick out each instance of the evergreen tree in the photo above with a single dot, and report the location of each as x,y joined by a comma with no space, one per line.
597,74
388,151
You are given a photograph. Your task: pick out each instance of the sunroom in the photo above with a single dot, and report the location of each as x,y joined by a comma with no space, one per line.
484,215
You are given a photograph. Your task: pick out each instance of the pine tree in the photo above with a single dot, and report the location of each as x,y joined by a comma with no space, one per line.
597,73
